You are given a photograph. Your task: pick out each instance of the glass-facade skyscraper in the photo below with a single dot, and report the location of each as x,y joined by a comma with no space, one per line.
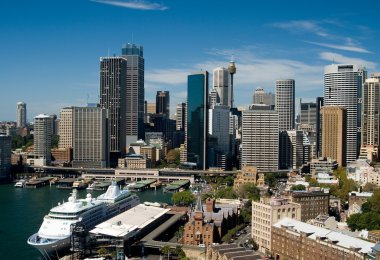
134,91
197,118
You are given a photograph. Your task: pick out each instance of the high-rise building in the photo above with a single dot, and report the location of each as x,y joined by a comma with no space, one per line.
371,113
343,85
261,97
285,95
42,137
219,127
197,118
260,139
163,103
113,97
134,91
53,124
5,157
21,114
181,116
221,85
318,133
334,127
90,129
309,114
213,98
66,128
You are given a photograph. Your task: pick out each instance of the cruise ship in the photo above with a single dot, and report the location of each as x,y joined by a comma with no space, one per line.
53,237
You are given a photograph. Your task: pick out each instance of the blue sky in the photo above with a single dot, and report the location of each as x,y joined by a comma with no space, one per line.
50,49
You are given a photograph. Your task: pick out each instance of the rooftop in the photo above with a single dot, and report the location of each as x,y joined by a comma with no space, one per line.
315,232
131,220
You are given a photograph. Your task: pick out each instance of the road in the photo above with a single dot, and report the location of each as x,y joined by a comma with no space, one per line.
243,237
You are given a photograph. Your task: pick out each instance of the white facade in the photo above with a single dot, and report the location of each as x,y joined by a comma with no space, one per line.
285,93
42,137
260,139
370,112
222,85
219,126
342,85
362,172
21,114
261,97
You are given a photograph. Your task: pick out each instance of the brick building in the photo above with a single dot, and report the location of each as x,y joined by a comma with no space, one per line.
313,203
248,174
292,239
209,223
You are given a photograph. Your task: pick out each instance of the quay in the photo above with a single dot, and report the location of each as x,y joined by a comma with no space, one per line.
37,183
66,183
175,186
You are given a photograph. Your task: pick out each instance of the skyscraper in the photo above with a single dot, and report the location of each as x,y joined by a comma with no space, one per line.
285,94
181,116
261,97
221,84
260,138
318,150
113,97
197,118
42,137
5,157
163,103
371,113
66,128
89,135
334,127
134,91
219,122
21,114
343,87
309,114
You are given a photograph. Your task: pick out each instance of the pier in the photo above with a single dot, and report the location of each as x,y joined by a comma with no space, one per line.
37,183
175,186
142,185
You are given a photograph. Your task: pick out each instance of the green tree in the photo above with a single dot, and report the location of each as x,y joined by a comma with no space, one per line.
375,201
366,207
270,180
178,251
370,187
298,187
173,156
166,251
249,191
183,198
54,141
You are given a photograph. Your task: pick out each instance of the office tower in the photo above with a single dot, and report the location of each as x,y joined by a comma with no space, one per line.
370,115
221,84
90,129
309,114
285,91
261,97
42,137
334,133
113,97
343,85
197,118
66,128
295,148
219,122
318,150
260,139
213,98
181,116
163,103
5,157
134,91
53,124
21,114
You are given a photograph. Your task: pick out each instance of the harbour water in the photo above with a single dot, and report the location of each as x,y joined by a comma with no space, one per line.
22,211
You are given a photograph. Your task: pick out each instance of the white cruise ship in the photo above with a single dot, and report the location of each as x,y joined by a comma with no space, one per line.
53,237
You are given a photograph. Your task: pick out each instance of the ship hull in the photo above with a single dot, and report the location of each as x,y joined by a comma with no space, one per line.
50,248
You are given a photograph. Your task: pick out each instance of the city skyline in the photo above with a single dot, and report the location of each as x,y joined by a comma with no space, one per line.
60,44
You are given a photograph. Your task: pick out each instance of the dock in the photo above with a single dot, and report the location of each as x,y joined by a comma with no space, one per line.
141,185
175,186
37,183
66,183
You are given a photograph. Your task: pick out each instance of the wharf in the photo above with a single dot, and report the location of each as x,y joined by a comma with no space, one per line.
141,185
66,183
101,185
175,186
37,183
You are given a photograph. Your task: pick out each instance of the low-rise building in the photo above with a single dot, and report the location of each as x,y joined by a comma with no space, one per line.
313,203
362,172
265,213
134,161
356,200
323,164
293,239
247,175
209,223
230,252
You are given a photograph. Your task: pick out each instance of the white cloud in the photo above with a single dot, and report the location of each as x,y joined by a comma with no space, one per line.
338,58
302,25
136,4
349,47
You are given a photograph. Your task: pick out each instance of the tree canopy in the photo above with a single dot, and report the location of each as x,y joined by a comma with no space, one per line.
184,198
298,187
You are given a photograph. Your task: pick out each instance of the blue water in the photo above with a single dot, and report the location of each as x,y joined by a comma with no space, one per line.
22,211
